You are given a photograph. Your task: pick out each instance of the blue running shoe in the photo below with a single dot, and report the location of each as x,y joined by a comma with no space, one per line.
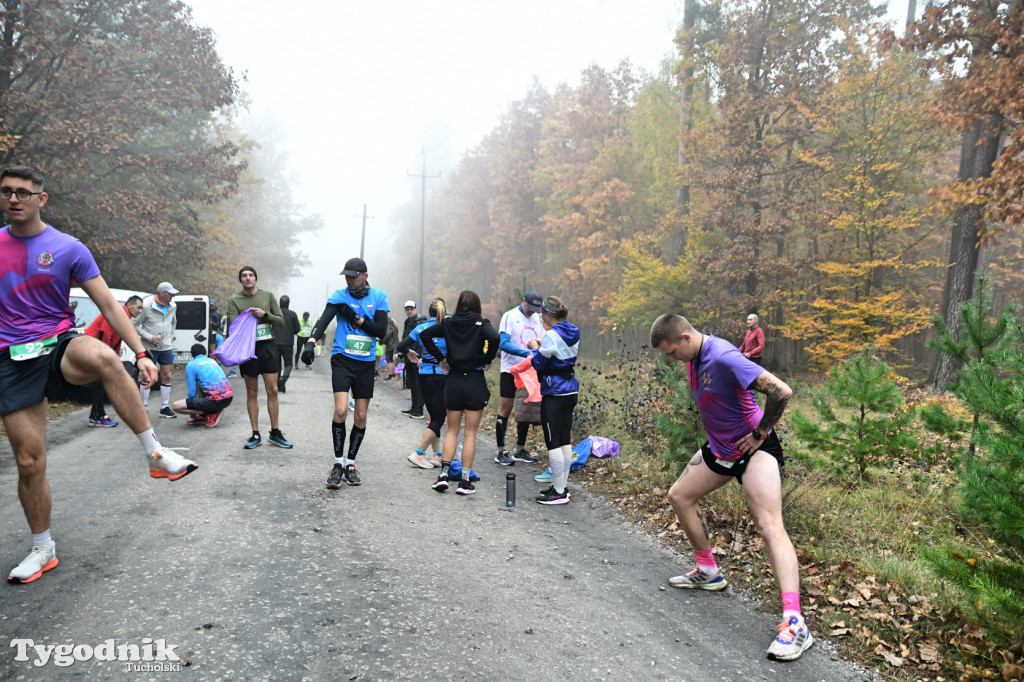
544,476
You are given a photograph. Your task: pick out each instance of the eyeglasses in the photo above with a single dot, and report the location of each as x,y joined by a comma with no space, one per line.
23,194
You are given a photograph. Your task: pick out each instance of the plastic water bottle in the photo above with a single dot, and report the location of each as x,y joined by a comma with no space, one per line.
510,489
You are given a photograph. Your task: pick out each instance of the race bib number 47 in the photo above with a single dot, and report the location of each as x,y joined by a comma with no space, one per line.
357,345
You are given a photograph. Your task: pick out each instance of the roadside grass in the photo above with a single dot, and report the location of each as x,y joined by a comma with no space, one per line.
863,584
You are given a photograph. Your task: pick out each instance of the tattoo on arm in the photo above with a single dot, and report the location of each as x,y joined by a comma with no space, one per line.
778,395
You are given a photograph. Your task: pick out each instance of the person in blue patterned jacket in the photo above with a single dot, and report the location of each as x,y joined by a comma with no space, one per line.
209,391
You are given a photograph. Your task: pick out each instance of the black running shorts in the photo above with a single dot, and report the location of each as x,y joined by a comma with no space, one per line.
24,383
353,376
466,391
205,405
507,385
736,467
267,360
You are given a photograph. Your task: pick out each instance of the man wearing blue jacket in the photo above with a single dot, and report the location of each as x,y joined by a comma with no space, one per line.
518,326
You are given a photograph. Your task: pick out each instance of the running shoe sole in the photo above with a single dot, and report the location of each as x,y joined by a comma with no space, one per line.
440,486
35,576
160,473
280,443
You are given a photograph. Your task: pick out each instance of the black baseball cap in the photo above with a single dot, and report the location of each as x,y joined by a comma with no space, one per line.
353,267
533,301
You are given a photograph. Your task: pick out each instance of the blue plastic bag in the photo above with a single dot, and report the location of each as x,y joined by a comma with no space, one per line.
582,450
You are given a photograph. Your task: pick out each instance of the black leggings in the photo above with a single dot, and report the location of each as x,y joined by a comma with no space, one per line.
432,388
556,416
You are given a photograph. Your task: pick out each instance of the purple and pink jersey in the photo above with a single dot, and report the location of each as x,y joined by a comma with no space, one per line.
720,379
35,282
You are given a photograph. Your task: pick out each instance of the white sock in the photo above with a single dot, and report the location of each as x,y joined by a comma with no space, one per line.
558,465
165,394
567,456
339,460
144,392
149,441
42,539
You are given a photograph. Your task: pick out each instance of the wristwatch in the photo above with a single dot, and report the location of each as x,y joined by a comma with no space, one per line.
757,434
142,354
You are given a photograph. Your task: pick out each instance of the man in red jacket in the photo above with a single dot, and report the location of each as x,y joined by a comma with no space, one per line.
102,330
753,344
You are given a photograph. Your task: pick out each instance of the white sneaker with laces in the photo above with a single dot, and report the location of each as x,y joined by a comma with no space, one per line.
699,579
166,463
38,561
792,641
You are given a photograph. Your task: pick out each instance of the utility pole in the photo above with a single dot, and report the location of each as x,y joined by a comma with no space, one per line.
423,219
362,241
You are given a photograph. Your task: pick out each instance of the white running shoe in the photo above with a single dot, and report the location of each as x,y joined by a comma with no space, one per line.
39,560
699,579
166,463
420,461
792,641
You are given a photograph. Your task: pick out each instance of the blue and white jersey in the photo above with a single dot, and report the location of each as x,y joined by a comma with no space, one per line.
351,342
428,363
555,360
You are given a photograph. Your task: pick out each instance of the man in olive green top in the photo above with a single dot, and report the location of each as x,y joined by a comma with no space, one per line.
267,362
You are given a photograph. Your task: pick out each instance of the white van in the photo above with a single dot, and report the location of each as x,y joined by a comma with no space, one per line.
193,314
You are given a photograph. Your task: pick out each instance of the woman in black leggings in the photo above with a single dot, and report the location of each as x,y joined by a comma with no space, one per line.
432,381
554,358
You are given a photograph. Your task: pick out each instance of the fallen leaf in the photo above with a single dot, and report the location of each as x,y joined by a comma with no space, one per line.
1012,671
929,651
894,660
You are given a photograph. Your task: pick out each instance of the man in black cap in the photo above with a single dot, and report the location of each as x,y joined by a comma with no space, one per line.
517,326
412,370
362,315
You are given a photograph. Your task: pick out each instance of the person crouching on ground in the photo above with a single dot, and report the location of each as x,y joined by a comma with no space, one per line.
209,391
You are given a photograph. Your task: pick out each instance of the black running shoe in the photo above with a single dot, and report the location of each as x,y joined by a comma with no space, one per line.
550,490
351,475
522,455
441,484
553,497
334,480
465,488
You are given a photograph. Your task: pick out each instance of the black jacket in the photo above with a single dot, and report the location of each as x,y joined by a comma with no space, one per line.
410,324
471,341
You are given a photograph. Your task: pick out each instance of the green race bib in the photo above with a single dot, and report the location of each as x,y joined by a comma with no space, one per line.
358,345
263,332
33,349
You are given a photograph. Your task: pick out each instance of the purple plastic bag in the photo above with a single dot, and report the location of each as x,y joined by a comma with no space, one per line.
603,447
240,346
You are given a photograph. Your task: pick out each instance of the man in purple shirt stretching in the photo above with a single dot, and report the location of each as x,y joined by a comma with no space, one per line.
40,349
741,445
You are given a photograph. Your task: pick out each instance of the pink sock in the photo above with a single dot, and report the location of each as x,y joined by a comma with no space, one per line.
706,561
791,603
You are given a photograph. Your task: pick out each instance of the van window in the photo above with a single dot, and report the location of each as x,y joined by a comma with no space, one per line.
85,310
193,315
